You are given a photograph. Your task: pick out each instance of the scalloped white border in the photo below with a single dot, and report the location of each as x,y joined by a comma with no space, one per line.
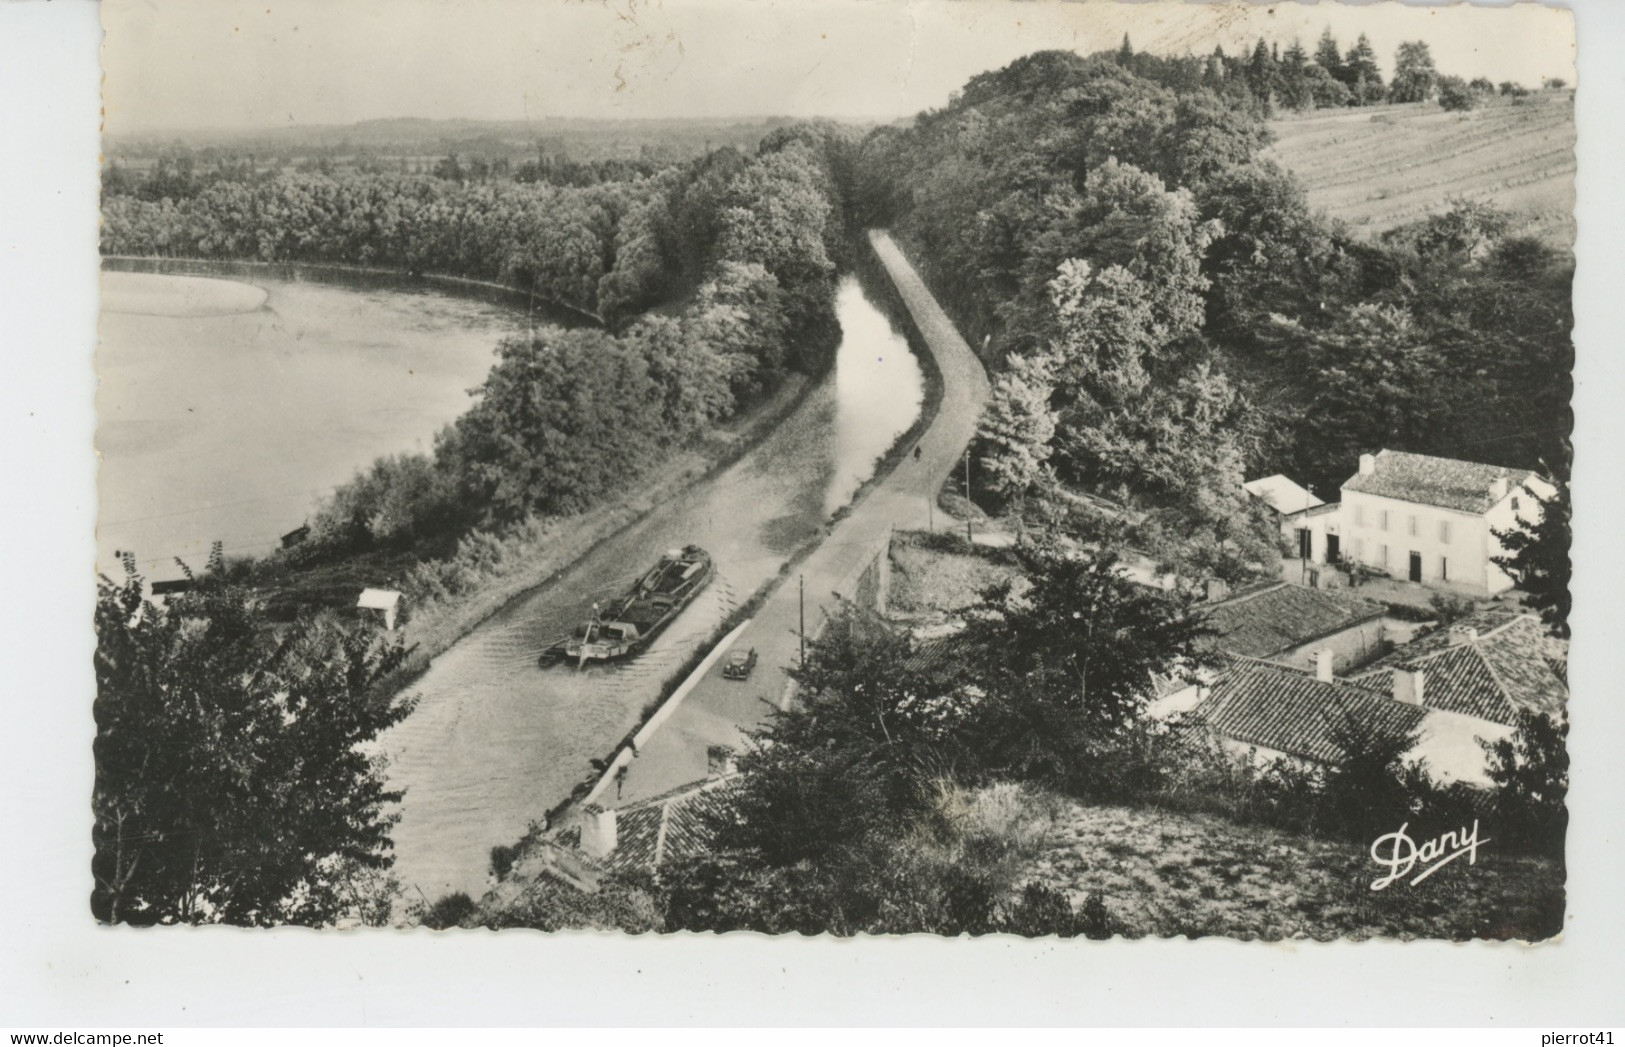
58,970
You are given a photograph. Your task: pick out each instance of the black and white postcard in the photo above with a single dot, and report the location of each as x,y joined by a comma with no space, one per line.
1096,473
1107,479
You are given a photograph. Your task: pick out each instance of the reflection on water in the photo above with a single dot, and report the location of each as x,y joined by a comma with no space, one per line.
497,741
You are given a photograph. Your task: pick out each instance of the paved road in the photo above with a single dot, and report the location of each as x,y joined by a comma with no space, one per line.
717,710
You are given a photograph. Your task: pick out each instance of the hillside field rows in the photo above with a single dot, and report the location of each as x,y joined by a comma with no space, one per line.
1381,167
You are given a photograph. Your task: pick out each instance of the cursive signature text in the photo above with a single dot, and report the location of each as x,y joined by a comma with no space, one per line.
1399,854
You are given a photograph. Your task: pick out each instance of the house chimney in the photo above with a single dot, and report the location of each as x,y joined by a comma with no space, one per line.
1323,665
1498,489
597,832
1217,589
1408,686
1460,634
1368,464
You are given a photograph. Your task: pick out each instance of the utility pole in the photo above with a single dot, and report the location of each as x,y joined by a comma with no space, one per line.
801,596
1306,536
969,506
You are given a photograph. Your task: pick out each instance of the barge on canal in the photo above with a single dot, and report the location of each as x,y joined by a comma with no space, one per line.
631,623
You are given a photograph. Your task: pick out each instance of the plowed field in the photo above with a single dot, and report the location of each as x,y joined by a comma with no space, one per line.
1384,166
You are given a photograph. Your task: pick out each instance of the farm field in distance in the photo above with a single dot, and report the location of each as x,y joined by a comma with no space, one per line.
1383,166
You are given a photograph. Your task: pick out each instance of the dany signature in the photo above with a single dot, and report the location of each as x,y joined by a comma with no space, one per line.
1399,854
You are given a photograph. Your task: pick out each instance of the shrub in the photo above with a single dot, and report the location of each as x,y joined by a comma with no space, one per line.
1531,774
502,859
450,911
1040,911
1455,95
1367,791
1448,608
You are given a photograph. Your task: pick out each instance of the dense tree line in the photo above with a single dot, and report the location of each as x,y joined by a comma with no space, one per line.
1269,79
1166,314
738,252
741,251
1056,205
556,242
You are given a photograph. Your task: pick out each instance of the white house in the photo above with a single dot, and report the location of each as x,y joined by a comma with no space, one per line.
1432,520
1304,519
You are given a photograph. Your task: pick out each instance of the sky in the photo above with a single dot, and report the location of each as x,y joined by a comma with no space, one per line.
179,64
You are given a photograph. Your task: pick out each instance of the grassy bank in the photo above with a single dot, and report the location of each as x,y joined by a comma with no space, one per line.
1166,874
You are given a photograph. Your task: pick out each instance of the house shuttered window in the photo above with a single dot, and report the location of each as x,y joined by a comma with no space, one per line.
1385,519
1411,525
1444,532
1359,516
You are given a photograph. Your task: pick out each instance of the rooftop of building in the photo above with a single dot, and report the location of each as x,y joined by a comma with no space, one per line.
1445,482
1281,493
670,827
1490,664
1277,617
1276,707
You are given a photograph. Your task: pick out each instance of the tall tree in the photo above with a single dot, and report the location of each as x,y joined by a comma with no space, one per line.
1362,73
1018,425
1414,75
1068,656
233,784
1329,57
1374,371
1295,93
1537,558
1261,75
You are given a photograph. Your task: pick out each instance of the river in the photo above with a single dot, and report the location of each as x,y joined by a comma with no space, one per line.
497,741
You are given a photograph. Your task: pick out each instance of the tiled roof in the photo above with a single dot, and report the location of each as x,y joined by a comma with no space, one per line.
1504,668
937,653
1281,494
665,828
1427,480
1267,621
1278,708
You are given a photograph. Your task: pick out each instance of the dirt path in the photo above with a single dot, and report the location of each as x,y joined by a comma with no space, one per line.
717,711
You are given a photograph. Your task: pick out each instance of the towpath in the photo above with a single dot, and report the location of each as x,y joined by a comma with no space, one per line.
718,711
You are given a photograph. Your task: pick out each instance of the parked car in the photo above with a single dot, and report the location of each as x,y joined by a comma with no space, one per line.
739,665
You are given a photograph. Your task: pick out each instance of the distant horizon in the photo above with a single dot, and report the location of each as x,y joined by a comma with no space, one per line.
271,129
229,67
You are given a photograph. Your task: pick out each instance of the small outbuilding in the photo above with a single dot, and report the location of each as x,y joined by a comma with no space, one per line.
384,601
